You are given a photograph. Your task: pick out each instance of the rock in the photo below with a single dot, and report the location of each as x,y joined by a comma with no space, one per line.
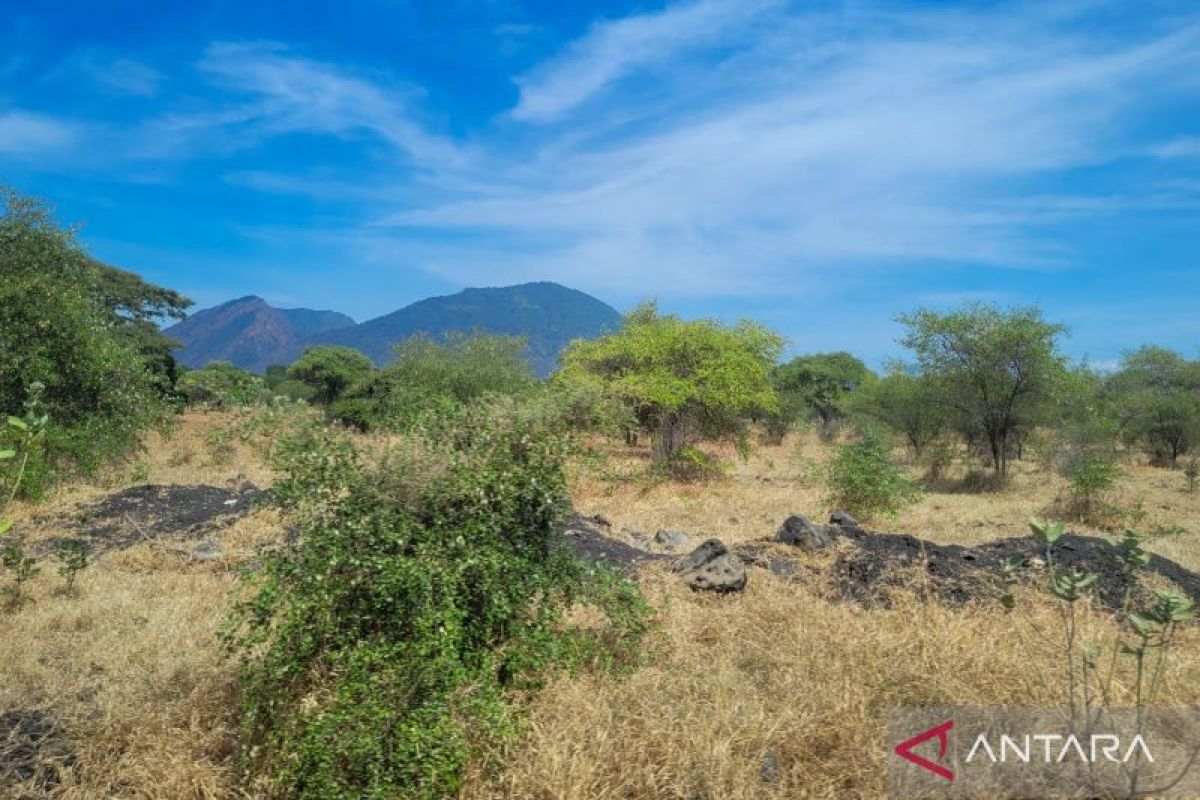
672,539
724,573
711,567
206,551
840,517
707,551
798,531
769,769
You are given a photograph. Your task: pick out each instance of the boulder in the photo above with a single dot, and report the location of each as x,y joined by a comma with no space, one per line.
672,539
799,532
711,567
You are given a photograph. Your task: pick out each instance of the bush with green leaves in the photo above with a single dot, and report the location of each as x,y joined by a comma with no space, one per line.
1157,394
865,479
20,441
427,585
1146,629
908,403
329,370
995,370
65,325
221,385
1191,473
436,376
684,380
819,384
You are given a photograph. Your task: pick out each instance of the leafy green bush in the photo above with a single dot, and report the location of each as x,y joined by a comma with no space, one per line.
1091,475
222,385
1191,474
329,370
63,325
431,376
424,588
865,479
684,380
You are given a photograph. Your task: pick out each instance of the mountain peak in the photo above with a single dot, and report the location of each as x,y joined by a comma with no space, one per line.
251,333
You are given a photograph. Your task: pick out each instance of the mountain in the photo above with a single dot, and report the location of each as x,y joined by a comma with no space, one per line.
547,314
250,333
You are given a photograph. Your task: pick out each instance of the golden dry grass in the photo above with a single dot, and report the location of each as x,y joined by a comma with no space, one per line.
782,673
760,491
133,670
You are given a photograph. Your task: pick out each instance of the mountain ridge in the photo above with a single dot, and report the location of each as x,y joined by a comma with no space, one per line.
251,333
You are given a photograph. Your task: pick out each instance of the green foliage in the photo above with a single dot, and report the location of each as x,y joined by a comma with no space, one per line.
222,385
1091,475
329,370
380,652
907,403
1191,473
997,371
1157,394
865,479
821,383
684,380
61,327
430,376
137,309
23,568
72,556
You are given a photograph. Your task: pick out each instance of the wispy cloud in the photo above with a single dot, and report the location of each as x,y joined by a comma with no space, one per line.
836,142
23,133
290,93
127,77
616,48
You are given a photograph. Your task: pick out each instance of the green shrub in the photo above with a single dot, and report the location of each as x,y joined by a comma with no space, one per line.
1191,473
435,377
222,385
865,479
684,380
65,326
1091,475
425,587
329,370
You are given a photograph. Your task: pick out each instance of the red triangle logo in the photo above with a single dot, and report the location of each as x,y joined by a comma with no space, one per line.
905,749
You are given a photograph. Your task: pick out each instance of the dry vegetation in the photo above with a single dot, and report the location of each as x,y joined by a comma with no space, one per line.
778,692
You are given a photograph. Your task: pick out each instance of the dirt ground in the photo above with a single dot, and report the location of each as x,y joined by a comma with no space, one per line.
122,688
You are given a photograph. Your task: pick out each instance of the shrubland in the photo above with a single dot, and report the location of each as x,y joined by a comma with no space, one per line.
404,620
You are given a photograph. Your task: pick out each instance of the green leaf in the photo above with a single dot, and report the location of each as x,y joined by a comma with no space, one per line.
6,454
5,524
17,422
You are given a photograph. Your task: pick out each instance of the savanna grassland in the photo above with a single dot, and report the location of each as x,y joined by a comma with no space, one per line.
779,691
449,576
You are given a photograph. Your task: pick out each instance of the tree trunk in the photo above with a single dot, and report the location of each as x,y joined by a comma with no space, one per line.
669,437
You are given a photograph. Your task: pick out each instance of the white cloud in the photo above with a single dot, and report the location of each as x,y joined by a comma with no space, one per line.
835,142
613,49
26,133
290,93
127,77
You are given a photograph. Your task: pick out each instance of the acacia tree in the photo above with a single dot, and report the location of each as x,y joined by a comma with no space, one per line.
995,369
908,404
329,370
684,380
821,382
1157,396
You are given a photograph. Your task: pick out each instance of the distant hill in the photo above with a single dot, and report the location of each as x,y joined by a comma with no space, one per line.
547,314
252,334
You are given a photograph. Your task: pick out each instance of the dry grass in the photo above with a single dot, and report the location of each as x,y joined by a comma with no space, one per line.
759,492
133,671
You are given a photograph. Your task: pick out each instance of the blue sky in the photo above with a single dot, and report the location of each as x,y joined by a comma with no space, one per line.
820,167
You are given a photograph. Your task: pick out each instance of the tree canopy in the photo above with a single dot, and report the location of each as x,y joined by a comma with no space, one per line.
329,370
683,379
995,369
